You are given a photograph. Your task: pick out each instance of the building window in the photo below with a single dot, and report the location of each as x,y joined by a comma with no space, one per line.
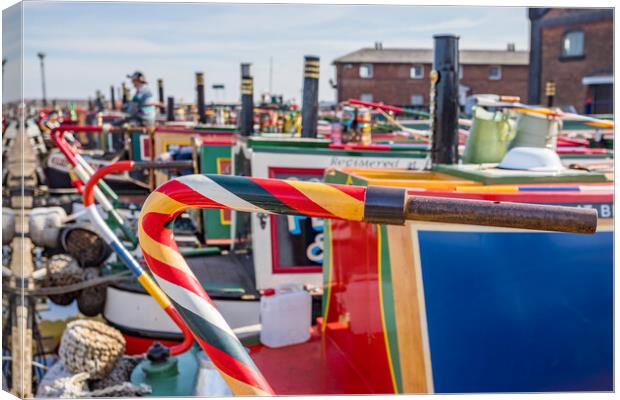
366,97
417,100
495,73
572,44
460,72
366,71
417,71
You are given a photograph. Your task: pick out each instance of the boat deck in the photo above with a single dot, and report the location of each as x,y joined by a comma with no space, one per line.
308,368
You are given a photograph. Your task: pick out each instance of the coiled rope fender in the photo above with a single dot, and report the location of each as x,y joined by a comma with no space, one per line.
242,194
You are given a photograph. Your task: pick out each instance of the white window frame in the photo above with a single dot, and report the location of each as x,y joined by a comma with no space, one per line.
412,69
366,97
495,77
416,104
370,71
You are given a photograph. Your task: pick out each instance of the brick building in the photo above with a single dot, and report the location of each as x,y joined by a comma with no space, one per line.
574,49
401,76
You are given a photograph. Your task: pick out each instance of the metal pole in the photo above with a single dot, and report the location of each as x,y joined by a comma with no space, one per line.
42,57
246,119
310,105
200,93
160,90
170,109
112,99
444,100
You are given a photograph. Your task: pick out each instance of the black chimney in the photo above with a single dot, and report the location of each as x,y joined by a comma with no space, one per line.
170,109
112,99
200,92
160,90
310,104
124,93
246,119
445,100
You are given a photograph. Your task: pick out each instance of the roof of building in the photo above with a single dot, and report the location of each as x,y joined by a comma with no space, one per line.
425,56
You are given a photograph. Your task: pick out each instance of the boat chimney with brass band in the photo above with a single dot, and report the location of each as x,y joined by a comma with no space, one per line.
550,92
200,97
160,92
444,100
124,93
310,103
246,119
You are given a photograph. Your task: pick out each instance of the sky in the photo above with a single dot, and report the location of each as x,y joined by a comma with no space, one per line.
91,46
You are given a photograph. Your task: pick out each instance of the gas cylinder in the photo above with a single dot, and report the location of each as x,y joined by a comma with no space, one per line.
168,375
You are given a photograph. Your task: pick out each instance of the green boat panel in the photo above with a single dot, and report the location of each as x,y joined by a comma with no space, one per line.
340,152
216,159
255,142
489,174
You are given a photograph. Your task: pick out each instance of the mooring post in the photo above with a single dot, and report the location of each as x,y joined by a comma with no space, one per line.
200,97
310,104
160,91
444,101
112,99
170,109
246,119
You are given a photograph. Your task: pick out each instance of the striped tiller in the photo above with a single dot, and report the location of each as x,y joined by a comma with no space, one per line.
113,241
179,282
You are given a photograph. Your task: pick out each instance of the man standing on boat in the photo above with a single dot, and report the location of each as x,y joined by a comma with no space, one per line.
142,107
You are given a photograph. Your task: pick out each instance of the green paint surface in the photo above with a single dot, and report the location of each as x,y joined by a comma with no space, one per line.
389,313
213,159
493,176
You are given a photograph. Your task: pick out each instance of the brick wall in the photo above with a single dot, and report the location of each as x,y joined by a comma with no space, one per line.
568,73
392,84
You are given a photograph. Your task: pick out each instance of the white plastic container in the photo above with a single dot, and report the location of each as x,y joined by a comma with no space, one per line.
285,316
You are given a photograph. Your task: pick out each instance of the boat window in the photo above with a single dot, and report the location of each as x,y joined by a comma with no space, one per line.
366,97
417,100
417,71
495,72
572,44
366,71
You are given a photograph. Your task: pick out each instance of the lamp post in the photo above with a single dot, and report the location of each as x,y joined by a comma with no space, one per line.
41,56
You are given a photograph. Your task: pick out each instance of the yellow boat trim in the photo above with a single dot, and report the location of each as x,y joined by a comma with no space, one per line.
330,277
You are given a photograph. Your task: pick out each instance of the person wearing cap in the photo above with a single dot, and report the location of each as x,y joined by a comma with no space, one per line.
142,108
